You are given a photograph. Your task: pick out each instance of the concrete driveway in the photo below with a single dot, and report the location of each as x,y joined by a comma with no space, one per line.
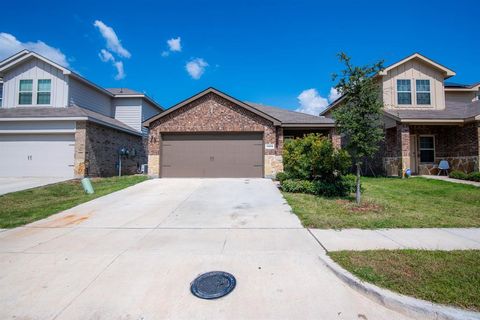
133,254
13,184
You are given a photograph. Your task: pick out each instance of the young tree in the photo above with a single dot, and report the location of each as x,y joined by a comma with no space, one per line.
359,115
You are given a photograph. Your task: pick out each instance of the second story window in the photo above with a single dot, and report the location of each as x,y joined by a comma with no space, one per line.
26,92
423,91
44,90
1,93
404,92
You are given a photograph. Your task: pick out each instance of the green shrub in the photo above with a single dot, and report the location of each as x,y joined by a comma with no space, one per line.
474,176
458,175
281,176
341,187
299,186
313,157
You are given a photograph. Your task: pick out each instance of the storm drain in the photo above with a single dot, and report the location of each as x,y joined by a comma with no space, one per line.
213,285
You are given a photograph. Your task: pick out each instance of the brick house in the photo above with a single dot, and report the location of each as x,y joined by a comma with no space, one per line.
56,123
426,119
215,135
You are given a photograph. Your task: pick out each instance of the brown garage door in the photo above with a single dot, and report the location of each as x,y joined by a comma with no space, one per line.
212,155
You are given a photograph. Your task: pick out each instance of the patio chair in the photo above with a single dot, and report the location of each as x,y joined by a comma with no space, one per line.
443,166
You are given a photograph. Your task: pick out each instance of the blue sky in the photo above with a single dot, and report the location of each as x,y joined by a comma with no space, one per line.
260,51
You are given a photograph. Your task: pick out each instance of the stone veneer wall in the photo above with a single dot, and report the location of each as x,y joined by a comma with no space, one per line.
459,145
96,151
212,113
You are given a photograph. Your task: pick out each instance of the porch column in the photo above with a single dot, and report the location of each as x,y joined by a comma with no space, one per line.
154,142
403,143
336,139
80,156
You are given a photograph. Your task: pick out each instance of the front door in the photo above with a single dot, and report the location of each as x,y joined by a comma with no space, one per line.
413,153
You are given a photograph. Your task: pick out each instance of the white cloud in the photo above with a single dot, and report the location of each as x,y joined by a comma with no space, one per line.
165,53
333,95
174,44
9,45
311,102
113,43
196,67
120,72
107,56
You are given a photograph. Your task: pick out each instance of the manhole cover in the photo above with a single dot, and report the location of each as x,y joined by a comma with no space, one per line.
213,285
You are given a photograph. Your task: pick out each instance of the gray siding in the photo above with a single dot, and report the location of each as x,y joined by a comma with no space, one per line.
35,69
129,111
148,110
90,98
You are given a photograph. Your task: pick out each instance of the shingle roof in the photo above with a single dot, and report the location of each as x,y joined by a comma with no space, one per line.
460,85
125,91
290,117
452,111
68,112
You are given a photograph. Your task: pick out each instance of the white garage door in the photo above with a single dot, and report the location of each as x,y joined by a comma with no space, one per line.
39,155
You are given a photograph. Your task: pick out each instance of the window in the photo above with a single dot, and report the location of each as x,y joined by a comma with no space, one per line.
44,91
427,149
404,92
1,93
25,92
423,91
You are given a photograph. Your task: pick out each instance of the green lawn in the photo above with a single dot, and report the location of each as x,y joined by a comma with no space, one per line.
446,277
393,203
19,208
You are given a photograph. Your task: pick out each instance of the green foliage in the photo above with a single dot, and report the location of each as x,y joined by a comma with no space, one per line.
299,186
359,117
341,187
314,157
458,175
281,176
472,176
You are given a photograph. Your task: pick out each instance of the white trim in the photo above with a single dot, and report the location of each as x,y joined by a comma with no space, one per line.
448,72
37,131
44,119
29,55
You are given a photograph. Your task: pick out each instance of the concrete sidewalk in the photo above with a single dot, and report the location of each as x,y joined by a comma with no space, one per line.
428,238
448,179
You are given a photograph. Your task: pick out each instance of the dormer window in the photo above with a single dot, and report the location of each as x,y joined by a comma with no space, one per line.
44,90
423,91
25,92
404,91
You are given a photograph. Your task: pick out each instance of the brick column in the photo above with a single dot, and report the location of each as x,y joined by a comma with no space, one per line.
336,139
79,162
154,141
403,141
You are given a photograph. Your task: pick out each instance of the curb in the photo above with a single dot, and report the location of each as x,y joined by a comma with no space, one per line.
411,307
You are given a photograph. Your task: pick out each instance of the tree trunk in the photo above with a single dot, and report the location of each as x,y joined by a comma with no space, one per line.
357,193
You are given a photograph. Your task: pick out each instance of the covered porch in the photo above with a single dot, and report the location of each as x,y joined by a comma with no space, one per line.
421,146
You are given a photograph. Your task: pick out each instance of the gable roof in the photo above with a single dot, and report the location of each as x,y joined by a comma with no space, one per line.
290,118
446,71
219,93
278,116
129,93
24,55
67,113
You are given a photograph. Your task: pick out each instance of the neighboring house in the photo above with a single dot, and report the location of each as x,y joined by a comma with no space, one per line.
426,119
215,135
54,122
